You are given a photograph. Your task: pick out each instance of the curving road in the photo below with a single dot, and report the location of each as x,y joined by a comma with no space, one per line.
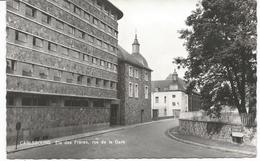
147,141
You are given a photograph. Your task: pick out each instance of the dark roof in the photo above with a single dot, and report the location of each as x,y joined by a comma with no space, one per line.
134,59
162,84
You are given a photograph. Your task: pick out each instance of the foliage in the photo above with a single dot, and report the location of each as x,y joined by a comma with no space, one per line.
221,42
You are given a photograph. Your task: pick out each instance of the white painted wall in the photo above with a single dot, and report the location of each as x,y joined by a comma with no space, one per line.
181,102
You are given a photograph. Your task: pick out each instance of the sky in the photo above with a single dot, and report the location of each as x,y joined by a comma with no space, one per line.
157,23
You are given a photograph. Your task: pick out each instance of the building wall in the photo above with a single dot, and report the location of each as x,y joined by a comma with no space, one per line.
61,49
166,109
131,107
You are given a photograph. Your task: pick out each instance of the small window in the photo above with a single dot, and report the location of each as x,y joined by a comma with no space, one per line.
146,92
15,4
30,11
52,46
102,25
43,72
156,99
99,42
146,77
79,79
94,60
70,29
37,42
46,18
56,75
10,66
77,10
173,96
27,69
131,71
165,99
80,34
98,82
109,65
173,104
20,36
91,38
136,73
66,4
10,100
131,91
74,54
64,51
59,25
86,16
95,21
102,62
112,85
85,57
105,83
136,90
89,81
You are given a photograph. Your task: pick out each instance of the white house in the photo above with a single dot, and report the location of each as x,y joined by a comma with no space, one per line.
169,97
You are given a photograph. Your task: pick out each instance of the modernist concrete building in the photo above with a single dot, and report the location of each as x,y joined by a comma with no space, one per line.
169,97
134,87
62,67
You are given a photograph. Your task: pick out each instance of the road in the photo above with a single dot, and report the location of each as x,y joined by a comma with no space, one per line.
146,141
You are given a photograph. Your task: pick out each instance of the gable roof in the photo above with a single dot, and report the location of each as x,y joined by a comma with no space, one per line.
137,60
164,84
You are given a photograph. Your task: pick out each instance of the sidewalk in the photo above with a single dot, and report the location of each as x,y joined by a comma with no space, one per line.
213,144
11,148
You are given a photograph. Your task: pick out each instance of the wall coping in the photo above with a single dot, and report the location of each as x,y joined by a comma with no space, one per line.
219,122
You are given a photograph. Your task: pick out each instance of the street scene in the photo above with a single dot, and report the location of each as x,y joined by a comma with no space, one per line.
146,141
115,79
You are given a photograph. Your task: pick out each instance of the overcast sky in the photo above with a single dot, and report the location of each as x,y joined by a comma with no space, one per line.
157,23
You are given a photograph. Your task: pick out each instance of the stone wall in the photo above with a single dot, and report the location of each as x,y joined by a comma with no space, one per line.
50,122
212,130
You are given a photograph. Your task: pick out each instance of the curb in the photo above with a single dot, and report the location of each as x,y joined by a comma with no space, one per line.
168,133
11,149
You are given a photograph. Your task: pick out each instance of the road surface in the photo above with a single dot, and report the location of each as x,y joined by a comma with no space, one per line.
146,141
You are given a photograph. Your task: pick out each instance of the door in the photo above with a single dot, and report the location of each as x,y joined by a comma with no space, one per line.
155,113
113,115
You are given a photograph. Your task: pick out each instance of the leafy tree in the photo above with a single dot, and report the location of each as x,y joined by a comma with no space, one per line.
221,42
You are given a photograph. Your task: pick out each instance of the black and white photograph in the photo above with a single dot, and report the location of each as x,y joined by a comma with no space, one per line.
129,79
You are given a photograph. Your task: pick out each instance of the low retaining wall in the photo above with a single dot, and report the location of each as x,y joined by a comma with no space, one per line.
215,130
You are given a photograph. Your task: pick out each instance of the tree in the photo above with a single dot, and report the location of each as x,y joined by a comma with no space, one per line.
221,42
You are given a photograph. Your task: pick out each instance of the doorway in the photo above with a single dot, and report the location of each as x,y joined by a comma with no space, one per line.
114,114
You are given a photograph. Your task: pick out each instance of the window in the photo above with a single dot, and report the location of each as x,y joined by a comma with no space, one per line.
27,69
85,57
46,18
131,71
64,51
109,29
115,68
56,75
108,65
89,81
102,63
94,60
98,82
105,83
91,38
173,96
77,10
136,90
112,85
131,89
29,101
70,29
20,36
66,4
74,54
69,77
10,100
86,16
95,21
164,99
105,45
146,77
165,112
173,104
102,25
156,99
14,4
59,25
79,79
43,72
29,11
10,66
80,34
37,42
98,42
146,92
98,103
136,73
52,46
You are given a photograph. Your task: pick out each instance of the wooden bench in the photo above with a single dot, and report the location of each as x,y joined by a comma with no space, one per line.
237,134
